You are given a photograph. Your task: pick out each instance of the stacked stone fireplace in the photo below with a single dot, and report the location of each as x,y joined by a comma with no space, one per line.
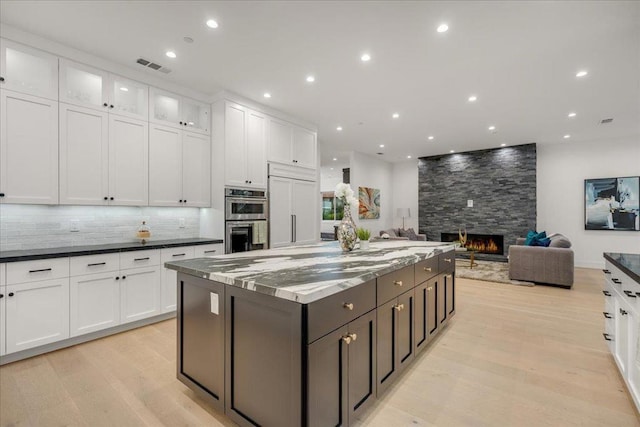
490,244
485,192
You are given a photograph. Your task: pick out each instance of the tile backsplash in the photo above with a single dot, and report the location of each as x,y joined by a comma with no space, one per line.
37,226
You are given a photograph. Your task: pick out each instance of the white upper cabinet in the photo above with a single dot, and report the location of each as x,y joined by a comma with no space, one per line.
128,161
245,153
173,110
27,70
97,89
196,170
28,149
291,145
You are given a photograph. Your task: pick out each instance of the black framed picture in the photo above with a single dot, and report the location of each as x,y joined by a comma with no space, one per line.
612,203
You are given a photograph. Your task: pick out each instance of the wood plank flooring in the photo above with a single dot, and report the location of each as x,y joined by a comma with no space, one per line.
512,356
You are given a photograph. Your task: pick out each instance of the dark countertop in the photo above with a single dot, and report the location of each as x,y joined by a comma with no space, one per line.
31,254
628,263
306,274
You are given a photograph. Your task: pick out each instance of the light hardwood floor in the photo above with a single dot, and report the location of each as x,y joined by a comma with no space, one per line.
512,356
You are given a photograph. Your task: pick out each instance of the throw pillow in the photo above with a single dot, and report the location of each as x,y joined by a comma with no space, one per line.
559,241
411,234
537,239
402,232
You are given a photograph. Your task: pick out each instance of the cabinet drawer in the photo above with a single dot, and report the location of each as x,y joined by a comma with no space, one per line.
176,254
139,258
447,262
90,264
327,314
393,284
208,250
36,270
426,269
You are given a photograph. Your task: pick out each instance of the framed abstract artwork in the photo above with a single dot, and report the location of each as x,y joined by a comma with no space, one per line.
612,203
369,203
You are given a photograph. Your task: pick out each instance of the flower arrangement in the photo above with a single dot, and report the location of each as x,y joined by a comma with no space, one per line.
345,193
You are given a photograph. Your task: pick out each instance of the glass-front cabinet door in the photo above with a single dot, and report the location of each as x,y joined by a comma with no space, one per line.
195,115
83,85
27,70
164,108
129,98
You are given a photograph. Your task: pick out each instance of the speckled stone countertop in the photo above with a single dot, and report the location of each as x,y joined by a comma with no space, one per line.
308,273
628,263
31,254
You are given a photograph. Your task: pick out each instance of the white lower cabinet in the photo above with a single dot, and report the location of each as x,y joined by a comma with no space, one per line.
3,298
37,314
94,302
170,277
139,293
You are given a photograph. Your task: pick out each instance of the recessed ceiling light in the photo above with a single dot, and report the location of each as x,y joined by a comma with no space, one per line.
212,23
124,89
267,95
408,157
503,144
572,115
473,98
331,168
581,73
339,128
395,115
430,138
567,136
311,79
334,159
452,151
381,145
442,28
492,128
171,54
365,57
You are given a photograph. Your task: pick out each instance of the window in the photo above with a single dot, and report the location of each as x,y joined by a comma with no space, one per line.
332,208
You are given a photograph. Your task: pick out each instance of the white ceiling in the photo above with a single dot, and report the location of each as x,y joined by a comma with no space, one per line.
519,58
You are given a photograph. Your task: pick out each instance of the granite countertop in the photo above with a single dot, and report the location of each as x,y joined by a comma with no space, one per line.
628,263
31,254
308,273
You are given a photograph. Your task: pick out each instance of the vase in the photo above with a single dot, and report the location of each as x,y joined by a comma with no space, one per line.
364,244
347,231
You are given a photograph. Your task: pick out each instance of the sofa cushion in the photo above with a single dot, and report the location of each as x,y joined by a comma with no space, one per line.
559,241
410,233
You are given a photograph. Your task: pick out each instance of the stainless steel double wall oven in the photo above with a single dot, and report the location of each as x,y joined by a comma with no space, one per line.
246,216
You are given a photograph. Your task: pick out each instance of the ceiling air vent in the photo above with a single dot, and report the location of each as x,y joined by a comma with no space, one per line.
153,65
605,121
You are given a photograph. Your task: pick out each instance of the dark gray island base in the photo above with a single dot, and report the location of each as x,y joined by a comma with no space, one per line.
308,336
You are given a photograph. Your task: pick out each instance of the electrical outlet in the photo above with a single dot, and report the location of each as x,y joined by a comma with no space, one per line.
74,226
181,223
469,203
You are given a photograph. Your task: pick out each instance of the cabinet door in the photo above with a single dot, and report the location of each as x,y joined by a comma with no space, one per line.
169,277
164,108
432,306
405,320
279,141
304,209
37,314
362,364
280,216
84,156
128,161
441,300
196,116
139,293
450,293
3,298
27,70
83,86
327,366
196,172
128,98
201,335
165,166
420,330
621,354
304,148
94,302
256,150
387,366
634,366
28,149
235,146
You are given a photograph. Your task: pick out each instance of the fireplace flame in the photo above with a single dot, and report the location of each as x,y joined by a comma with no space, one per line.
488,246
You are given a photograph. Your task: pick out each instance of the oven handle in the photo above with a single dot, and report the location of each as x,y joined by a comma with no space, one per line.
246,200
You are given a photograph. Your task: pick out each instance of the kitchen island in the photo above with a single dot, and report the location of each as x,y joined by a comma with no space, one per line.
308,336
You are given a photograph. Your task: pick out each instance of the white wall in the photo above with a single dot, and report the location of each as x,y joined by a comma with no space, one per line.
367,171
561,171
405,193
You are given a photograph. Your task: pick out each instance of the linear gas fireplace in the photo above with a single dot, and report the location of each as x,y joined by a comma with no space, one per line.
480,243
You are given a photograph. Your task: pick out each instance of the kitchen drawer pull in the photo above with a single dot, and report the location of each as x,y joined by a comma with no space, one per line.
447,259
427,269
11,294
623,312
398,282
39,271
178,255
629,294
616,281
605,271
607,315
348,305
347,339
606,337
606,293
399,307
430,288
353,336
212,250
141,259
96,263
